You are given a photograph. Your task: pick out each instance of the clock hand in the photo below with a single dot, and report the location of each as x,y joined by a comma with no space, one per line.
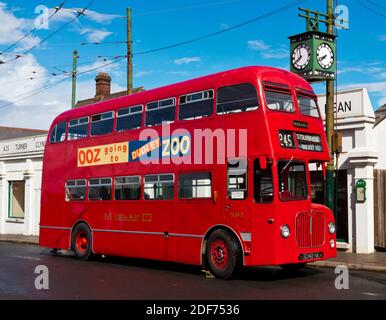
298,59
322,58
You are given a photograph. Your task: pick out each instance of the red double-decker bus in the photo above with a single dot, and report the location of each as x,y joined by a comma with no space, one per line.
212,171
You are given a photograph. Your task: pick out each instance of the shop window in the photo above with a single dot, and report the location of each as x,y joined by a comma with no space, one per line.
16,207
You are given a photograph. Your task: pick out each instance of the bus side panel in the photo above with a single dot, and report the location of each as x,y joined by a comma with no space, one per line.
54,238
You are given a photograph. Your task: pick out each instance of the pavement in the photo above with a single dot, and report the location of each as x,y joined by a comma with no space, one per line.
355,261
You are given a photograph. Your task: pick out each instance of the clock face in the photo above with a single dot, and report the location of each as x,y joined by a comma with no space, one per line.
325,56
301,56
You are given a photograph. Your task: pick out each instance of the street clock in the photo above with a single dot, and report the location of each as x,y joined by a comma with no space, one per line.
313,55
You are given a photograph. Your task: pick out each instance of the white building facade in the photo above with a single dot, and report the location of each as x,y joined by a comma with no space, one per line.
21,162
355,120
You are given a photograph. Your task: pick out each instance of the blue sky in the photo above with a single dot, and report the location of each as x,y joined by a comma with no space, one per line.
361,49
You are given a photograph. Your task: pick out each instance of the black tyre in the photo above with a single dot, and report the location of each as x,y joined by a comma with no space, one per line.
293,268
81,242
223,254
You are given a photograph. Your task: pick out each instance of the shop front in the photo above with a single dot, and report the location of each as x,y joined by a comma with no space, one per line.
354,214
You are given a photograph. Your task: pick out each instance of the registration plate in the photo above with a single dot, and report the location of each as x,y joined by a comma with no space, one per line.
311,256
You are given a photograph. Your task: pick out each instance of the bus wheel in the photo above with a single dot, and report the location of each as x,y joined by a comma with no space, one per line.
223,254
81,241
292,268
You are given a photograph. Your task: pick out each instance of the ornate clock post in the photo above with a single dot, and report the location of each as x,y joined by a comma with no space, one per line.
313,57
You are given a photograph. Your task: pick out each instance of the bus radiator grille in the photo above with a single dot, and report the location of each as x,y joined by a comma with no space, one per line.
310,229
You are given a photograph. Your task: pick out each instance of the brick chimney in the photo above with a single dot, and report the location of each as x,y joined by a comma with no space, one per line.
103,84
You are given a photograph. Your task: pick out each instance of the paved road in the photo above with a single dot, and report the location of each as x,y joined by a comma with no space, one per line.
118,278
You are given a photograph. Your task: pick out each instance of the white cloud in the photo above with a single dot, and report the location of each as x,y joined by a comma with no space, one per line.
101,17
95,35
13,29
187,60
266,50
275,54
70,13
257,45
141,74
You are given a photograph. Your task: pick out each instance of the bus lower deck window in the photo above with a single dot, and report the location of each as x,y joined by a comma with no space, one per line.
237,179
127,188
75,190
159,187
195,185
99,189
263,183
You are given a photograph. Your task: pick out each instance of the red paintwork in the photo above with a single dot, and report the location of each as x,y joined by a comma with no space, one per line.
187,217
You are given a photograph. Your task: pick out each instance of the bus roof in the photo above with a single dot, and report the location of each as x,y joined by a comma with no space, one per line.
201,83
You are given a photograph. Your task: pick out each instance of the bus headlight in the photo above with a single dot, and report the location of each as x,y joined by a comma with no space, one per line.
332,243
331,227
285,231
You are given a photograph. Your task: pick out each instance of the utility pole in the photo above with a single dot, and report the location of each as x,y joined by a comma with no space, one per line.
74,71
129,53
330,117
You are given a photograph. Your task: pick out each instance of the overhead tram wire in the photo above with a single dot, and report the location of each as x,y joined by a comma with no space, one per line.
57,9
376,4
278,10
51,85
266,15
79,13
371,9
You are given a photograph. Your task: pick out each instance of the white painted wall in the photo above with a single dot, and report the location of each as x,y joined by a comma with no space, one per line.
360,150
21,160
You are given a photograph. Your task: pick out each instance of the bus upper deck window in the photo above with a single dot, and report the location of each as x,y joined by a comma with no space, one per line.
160,111
237,98
196,105
102,123
58,133
129,118
308,106
279,101
78,128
